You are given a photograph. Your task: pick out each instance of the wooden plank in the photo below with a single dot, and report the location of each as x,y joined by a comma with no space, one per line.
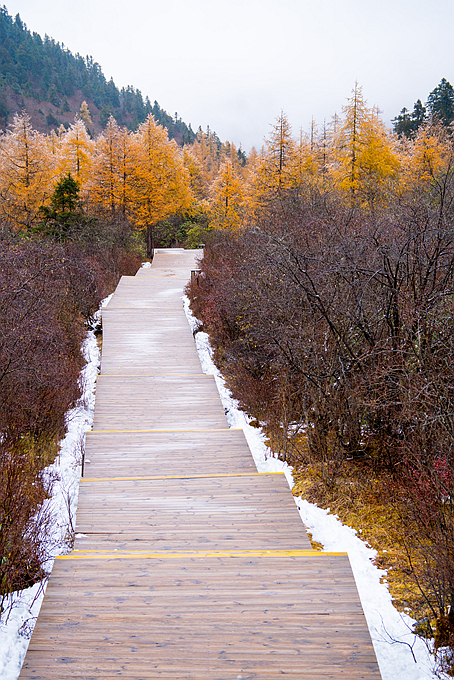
185,452
260,618
219,513
158,402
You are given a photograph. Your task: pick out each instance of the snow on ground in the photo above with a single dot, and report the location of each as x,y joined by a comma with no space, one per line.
17,626
401,655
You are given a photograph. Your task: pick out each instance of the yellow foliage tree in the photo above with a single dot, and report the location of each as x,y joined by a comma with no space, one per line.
365,158
84,113
229,151
280,158
429,155
312,157
27,171
277,165
160,182
207,150
111,183
197,176
76,153
429,165
227,199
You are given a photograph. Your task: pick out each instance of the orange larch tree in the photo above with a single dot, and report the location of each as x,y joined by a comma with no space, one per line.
160,182
27,171
110,186
76,154
227,199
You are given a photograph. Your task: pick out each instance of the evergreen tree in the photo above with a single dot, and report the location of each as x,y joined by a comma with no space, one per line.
418,114
65,199
65,218
65,214
403,124
406,124
440,102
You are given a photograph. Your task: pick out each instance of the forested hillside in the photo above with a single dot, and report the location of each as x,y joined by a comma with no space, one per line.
42,77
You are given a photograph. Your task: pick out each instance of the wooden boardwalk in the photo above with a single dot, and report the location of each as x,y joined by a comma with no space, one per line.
187,563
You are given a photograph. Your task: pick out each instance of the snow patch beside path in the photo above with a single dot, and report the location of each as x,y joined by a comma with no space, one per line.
400,654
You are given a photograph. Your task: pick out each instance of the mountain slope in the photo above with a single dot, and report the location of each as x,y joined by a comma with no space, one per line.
50,83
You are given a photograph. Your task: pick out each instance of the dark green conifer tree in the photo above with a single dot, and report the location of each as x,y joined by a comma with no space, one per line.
440,102
65,216
406,123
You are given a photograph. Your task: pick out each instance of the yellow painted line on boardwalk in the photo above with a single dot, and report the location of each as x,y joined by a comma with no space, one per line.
109,555
132,479
221,429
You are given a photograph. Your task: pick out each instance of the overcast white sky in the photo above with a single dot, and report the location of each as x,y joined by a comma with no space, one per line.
235,64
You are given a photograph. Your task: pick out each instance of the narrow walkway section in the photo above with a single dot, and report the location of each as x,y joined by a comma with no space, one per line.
187,563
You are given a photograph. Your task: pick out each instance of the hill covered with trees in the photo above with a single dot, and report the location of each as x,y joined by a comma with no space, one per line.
42,77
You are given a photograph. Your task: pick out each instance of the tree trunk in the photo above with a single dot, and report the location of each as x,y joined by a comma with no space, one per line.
150,249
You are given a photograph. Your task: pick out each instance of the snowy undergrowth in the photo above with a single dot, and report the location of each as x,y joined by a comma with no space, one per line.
17,626
399,652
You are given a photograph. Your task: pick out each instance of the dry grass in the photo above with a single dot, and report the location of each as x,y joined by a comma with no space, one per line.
362,502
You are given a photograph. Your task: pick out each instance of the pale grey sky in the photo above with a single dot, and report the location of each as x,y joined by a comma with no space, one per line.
235,64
